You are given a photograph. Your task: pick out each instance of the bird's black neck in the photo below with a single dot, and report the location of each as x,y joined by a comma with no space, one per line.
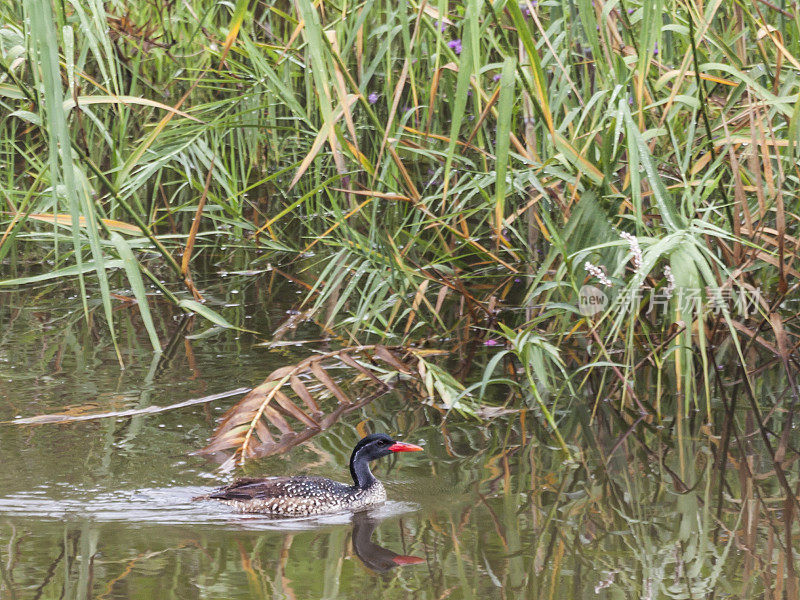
359,469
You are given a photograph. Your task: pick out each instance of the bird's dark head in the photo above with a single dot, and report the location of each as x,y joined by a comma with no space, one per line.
377,445
370,448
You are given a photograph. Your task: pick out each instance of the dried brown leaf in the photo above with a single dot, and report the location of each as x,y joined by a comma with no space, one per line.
269,419
302,392
329,383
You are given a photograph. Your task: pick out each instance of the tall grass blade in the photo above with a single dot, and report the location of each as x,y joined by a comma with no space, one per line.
63,169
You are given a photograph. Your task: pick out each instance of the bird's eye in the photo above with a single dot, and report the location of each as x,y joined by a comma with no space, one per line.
384,442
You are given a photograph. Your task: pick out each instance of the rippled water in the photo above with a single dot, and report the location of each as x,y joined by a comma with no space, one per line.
103,509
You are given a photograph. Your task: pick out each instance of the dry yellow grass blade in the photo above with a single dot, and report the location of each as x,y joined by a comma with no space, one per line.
444,138
327,131
66,220
775,37
437,75
744,141
233,30
341,90
493,108
486,110
360,157
673,73
585,165
70,103
384,195
408,181
434,12
415,304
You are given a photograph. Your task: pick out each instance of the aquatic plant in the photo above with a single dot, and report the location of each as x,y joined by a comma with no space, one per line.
436,176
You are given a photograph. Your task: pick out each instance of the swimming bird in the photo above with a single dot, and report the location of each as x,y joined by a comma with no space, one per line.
304,496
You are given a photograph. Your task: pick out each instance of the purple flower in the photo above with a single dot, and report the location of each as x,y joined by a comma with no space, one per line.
441,25
496,77
373,98
491,343
455,46
655,49
630,11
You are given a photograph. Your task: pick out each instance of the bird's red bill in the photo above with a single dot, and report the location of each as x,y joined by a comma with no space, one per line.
407,560
403,447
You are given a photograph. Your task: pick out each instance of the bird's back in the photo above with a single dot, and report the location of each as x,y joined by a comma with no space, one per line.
297,496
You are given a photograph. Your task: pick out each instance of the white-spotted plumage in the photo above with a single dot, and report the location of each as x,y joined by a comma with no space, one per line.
307,496
298,496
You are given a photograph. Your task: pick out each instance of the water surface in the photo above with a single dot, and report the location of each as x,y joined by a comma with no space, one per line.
104,509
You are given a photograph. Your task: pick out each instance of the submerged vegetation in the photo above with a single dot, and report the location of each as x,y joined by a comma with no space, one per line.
593,206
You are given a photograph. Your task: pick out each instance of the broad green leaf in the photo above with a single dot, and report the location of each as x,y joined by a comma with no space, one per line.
205,312
131,266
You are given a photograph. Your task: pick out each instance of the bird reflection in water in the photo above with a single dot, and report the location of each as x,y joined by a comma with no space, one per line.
375,557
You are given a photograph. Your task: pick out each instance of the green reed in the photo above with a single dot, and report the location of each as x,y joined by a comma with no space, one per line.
428,170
